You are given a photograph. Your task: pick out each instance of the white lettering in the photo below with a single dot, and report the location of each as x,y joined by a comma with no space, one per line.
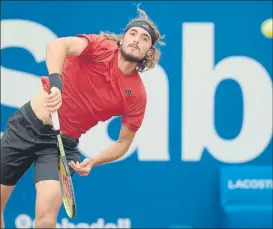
124,223
250,184
18,87
25,221
99,224
82,225
110,225
67,224
200,80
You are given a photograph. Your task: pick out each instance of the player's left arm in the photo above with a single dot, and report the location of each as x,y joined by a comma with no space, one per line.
117,149
131,122
112,153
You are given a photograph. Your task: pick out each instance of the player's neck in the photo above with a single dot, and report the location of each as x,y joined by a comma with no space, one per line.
126,67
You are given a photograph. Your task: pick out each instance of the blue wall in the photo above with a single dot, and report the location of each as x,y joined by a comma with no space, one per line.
164,180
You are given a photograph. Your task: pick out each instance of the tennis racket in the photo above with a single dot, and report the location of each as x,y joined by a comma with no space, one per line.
67,189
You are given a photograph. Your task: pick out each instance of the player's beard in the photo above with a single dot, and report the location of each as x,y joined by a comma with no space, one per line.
129,57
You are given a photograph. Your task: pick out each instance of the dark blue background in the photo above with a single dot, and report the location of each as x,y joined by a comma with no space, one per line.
151,194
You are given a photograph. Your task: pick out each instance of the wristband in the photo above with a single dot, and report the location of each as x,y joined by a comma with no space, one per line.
55,80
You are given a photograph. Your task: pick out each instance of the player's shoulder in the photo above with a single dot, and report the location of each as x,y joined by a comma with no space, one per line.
90,36
99,48
99,39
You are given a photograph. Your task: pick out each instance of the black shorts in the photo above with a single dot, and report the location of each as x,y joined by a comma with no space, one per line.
26,140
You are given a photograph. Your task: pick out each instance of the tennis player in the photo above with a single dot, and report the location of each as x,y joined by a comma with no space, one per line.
91,78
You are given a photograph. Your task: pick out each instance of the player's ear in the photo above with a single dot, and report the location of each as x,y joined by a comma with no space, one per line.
120,42
151,51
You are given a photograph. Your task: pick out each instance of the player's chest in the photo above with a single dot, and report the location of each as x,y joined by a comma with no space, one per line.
113,95
113,90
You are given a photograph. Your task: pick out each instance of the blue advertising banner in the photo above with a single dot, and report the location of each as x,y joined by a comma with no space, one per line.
246,185
209,105
246,196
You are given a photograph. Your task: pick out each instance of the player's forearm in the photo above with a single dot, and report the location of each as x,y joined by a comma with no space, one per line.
55,56
112,153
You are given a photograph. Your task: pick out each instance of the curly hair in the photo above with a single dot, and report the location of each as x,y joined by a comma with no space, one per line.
152,57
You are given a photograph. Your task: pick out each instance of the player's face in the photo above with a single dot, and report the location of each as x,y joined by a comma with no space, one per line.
135,44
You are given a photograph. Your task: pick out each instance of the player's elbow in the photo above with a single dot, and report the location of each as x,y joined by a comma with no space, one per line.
124,146
57,45
53,44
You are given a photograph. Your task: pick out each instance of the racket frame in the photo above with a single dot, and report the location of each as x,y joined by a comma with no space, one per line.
62,160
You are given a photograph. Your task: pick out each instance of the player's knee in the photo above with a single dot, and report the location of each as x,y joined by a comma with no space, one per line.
5,194
46,216
45,221
2,224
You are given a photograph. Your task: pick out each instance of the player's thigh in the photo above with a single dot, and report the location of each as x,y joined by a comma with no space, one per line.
48,198
14,162
48,192
47,163
17,148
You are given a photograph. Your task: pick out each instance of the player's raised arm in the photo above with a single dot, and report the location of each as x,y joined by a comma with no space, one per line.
59,49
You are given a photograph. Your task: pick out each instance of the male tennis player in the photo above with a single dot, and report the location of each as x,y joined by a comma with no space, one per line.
91,78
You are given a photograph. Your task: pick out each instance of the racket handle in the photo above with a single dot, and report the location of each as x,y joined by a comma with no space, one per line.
55,119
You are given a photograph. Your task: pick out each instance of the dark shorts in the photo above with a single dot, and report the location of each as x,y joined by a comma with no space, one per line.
28,140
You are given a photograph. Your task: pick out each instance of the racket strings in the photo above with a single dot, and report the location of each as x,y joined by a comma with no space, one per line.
67,197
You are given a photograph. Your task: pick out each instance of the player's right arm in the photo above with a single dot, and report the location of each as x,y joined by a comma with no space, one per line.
59,49
56,52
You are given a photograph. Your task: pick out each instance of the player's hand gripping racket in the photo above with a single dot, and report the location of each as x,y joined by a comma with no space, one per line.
68,195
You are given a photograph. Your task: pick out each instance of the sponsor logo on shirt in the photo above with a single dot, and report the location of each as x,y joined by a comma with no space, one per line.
128,92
